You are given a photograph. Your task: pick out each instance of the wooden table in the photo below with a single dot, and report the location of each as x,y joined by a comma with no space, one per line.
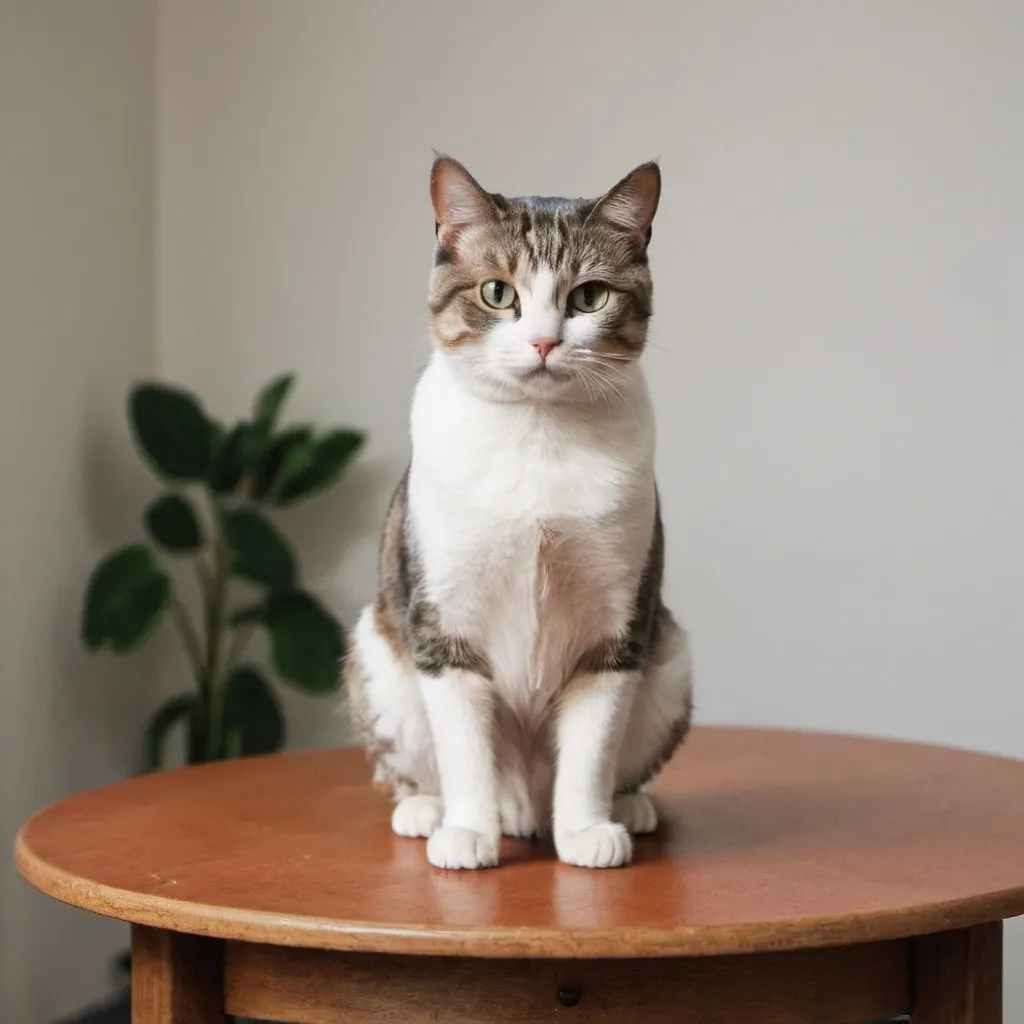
797,879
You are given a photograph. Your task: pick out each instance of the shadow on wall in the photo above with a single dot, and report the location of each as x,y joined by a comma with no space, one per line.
327,529
118,1011
121,693
341,529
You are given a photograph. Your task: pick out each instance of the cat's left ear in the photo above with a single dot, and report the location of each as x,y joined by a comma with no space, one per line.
631,205
459,201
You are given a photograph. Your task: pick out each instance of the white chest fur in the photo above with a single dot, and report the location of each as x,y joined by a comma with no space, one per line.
533,523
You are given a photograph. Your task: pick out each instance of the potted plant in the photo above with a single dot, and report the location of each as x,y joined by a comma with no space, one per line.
219,484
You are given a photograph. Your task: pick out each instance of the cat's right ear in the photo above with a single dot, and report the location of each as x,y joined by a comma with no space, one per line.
631,205
459,201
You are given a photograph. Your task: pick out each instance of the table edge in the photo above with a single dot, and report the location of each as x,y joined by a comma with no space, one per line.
265,927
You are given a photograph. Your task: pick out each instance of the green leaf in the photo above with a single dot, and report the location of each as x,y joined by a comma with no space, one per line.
173,524
178,709
270,400
285,450
253,722
306,642
171,431
217,433
254,444
299,460
331,457
229,460
256,551
125,600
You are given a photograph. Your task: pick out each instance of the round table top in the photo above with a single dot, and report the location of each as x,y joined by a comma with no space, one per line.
769,840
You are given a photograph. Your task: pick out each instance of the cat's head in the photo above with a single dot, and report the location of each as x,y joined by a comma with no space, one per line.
541,298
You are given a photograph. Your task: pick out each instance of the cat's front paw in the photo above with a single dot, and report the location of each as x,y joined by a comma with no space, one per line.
417,817
458,848
636,813
604,845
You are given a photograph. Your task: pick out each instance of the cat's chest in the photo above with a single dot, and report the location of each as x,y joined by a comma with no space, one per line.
531,526
518,511
533,572
533,596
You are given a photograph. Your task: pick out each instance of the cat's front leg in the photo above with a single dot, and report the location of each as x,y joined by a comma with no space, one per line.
460,710
591,723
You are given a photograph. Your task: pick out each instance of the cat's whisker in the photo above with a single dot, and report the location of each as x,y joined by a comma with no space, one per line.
611,376
620,367
592,385
607,368
625,401
592,393
610,355
601,378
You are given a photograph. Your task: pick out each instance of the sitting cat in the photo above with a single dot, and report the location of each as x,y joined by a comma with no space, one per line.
518,671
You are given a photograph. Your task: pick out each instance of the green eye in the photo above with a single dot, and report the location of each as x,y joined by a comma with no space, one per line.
497,294
589,297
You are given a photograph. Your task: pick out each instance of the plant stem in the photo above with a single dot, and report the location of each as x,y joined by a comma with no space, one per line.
216,681
190,639
241,641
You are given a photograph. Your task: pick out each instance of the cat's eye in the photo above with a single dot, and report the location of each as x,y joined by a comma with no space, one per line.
497,294
589,297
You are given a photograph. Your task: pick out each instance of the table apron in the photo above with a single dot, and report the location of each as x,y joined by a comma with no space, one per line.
821,986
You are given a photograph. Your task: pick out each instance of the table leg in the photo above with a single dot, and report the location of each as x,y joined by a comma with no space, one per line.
176,979
959,976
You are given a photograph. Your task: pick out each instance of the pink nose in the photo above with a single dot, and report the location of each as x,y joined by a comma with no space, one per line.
545,346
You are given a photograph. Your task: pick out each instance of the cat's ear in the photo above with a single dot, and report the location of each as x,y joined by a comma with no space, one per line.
631,205
459,201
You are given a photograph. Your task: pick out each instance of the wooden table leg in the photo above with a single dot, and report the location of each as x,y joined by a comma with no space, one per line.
959,976
176,979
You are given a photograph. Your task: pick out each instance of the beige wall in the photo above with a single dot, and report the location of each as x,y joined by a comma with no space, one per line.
76,324
837,343
838,330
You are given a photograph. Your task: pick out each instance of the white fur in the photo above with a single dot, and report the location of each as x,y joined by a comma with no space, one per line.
400,720
459,709
487,479
591,725
533,508
417,816
635,813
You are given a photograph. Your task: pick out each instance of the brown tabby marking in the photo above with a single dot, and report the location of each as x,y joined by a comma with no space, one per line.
632,651
523,235
405,619
672,743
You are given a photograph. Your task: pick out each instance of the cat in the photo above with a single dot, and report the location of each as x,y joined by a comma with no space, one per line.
518,673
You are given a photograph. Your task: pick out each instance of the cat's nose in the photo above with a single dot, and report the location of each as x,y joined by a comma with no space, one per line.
545,346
